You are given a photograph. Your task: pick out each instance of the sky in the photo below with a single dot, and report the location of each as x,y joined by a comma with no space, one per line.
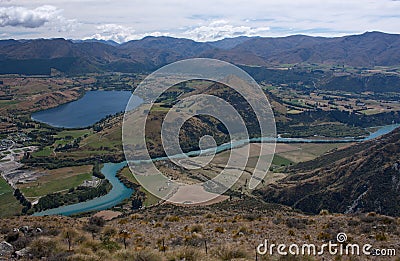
205,20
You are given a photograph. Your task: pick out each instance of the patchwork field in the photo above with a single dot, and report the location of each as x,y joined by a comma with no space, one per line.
9,205
301,152
57,180
150,198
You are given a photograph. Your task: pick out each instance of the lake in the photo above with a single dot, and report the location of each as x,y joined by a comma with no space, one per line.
86,111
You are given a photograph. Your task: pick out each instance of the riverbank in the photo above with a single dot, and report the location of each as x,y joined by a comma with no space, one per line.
125,182
118,193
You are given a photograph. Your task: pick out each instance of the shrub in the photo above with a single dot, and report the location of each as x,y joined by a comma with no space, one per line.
92,245
194,241
125,255
353,223
219,230
43,247
296,223
110,246
252,217
381,237
157,224
324,212
186,253
98,221
196,229
324,236
229,253
146,255
172,219
5,230
369,218
83,257
209,215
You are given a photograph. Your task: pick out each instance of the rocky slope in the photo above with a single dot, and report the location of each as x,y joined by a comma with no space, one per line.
361,178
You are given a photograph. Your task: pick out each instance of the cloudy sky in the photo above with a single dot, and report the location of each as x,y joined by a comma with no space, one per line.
205,20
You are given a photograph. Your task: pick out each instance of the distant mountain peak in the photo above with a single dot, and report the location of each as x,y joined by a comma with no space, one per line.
367,50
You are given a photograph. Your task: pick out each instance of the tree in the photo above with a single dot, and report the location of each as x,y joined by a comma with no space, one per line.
97,172
94,225
70,235
124,235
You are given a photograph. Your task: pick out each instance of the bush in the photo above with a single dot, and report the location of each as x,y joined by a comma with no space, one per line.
209,215
187,253
353,223
324,236
196,229
324,212
219,230
194,241
98,221
296,223
44,247
110,246
381,237
146,255
172,219
251,217
229,253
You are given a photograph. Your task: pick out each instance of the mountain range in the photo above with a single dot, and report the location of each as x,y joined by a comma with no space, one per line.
38,56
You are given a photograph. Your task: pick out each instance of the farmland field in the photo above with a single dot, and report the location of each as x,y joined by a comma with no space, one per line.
9,205
57,180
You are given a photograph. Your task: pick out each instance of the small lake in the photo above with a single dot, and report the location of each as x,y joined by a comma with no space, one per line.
86,111
117,194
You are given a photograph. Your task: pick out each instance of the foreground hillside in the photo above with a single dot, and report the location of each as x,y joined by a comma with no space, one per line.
227,231
360,178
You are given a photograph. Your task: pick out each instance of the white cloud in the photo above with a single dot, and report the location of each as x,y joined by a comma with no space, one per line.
220,29
16,16
214,30
199,20
119,33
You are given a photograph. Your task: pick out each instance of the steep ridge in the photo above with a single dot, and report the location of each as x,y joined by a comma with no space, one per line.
360,178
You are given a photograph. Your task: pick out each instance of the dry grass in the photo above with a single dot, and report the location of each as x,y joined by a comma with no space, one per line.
185,232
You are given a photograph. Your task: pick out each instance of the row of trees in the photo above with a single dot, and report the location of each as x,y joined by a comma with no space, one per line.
24,202
55,163
77,195
69,146
96,171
